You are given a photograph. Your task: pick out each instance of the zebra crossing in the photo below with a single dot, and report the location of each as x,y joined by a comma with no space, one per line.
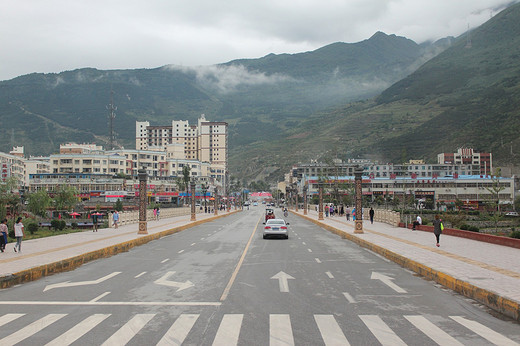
228,333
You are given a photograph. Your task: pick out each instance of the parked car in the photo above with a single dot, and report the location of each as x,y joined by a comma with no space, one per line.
512,214
277,228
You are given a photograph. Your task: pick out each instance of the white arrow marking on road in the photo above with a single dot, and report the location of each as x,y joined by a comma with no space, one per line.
282,280
80,283
180,285
387,281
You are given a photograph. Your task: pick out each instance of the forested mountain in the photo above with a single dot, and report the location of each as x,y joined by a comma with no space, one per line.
260,98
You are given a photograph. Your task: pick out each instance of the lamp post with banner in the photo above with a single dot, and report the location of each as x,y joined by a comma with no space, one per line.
358,178
143,198
192,190
305,199
320,202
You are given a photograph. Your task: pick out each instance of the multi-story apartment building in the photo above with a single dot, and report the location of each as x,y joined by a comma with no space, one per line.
17,166
205,142
467,156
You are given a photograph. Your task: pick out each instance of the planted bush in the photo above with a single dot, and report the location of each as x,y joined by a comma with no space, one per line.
55,224
32,227
62,225
515,234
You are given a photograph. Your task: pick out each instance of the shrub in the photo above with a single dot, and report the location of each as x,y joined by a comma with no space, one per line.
424,221
473,229
74,225
464,227
62,224
32,227
11,233
515,234
55,224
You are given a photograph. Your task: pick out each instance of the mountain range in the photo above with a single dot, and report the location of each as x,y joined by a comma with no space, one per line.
386,98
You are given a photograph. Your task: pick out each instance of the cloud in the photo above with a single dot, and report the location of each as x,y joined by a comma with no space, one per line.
227,79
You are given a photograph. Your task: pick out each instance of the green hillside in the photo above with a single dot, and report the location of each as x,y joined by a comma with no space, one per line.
469,95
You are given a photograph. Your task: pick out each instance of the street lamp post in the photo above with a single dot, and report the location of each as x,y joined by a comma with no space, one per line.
305,199
320,203
358,173
215,202
142,201
204,189
192,189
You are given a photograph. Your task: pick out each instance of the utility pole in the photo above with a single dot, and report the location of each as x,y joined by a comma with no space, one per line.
111,117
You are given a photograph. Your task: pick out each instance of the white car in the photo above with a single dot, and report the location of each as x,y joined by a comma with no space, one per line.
277,228
512,213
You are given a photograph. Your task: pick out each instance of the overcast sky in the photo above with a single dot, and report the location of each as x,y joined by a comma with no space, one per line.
58,35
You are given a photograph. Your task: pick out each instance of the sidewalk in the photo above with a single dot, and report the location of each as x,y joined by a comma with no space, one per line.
482,271
46,256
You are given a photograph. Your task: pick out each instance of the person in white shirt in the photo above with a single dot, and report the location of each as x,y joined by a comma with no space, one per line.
18,233
417,222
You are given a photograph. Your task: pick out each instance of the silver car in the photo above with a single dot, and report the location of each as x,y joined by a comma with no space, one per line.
276,227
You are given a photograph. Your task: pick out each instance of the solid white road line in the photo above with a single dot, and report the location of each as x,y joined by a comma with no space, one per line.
31,329
485,332
349,298
129,330
8,318
71,303
139,275
381,331
78,330
329,274
330,330
432,331
100,296
179,330
229,330
280,330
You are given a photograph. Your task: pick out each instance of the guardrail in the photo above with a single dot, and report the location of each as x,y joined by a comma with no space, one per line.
131,217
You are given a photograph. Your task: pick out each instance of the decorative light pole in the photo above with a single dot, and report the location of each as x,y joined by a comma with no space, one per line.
204,190
215,202
192,189
296,197
358,173
305,199
320,205
143,198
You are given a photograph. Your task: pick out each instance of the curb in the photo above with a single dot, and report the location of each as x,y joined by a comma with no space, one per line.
492,300
72,263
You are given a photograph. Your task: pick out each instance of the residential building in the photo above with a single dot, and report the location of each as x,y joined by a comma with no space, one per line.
467,156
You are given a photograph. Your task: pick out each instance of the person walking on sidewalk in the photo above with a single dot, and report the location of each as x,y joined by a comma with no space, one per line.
3,234
437,228
158,213
371,213
18,233
347,212
115,217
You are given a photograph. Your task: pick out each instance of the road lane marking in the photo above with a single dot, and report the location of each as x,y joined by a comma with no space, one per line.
181,251
139,275
309,250
432,331
280,330
80,283
31,329
329,274
229,330
8,318
387,281
193,244
165,260
179,330
282,281
330,330
303,243
349,298
239,264
100,296
179,285
381,330
129,330
88,303
484,331
78,330
317,260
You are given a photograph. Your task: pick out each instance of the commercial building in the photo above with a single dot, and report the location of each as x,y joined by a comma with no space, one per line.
467,156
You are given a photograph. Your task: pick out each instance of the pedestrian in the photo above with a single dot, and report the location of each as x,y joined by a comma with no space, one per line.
18,233
3,234
437,228
347,212
417,222
326,211
155,213
115,216
342,210
158,213
95,222
354,214
371,213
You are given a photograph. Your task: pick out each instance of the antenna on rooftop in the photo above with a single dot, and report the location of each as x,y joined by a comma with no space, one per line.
111,116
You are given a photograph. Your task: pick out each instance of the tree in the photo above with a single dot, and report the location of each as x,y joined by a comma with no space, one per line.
65,198
495,190
186,178
119,205
38,202
517,203
8,199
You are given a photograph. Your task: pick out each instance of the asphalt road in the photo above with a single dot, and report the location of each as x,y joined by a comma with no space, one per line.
221,284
